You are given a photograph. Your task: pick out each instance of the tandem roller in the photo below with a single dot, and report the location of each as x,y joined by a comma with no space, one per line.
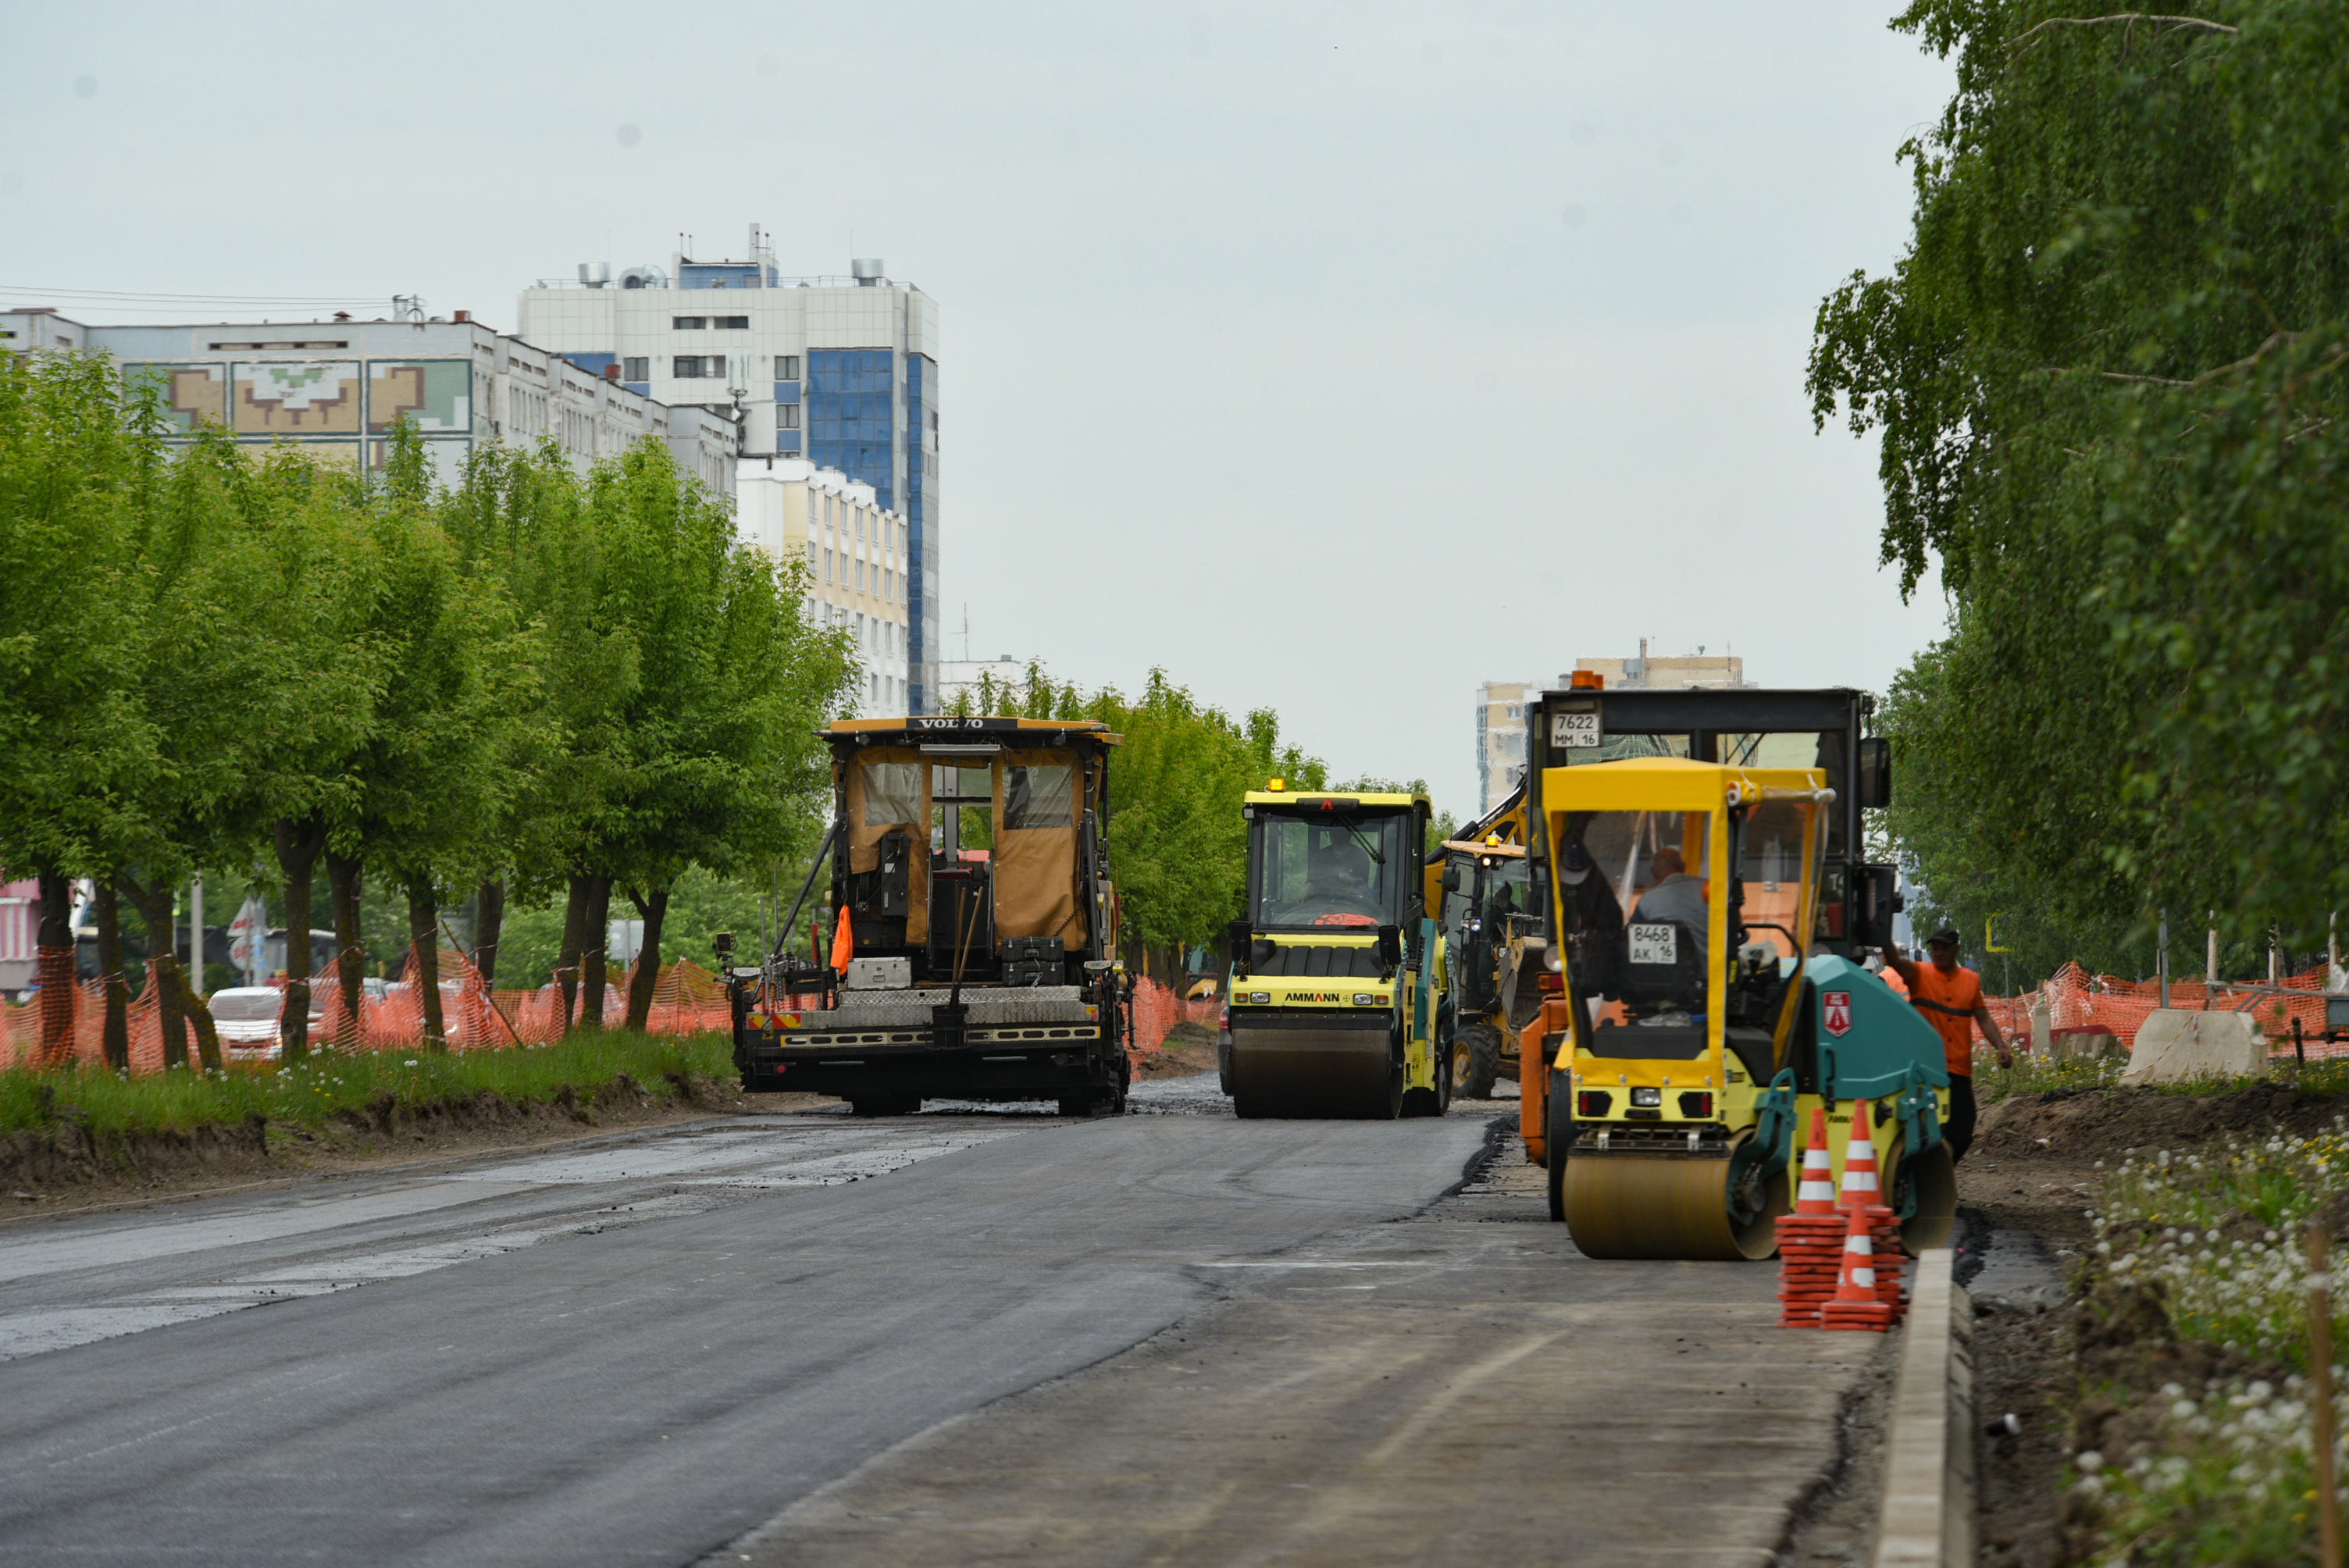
1687,1033
1337,984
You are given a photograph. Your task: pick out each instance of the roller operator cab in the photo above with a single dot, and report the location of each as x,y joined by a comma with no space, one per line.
1692,1028
969,856
1337,986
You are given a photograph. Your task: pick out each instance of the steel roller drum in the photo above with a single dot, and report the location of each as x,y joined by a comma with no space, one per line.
1932,1178
1307,1069
1664,1206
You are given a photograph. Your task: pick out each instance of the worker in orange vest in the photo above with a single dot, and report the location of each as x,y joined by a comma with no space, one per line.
1950,997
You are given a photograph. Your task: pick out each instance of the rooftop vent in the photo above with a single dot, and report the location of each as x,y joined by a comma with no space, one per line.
867,270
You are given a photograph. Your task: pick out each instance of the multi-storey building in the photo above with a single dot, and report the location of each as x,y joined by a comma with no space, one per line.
1717,670
843,371
856,555
336,388
1500,739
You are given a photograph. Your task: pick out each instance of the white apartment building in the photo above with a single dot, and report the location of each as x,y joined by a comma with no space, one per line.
1711,672
841,371
1500,739
856,553
336,387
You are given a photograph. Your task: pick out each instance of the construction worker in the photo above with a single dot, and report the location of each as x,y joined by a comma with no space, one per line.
1950,997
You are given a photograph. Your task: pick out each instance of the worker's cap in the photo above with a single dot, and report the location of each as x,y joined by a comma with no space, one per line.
1947,933
1574,865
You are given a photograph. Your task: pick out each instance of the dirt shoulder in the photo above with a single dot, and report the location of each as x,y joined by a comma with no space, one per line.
63,1168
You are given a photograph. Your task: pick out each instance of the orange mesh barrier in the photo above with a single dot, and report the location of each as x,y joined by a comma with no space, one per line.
2078,1000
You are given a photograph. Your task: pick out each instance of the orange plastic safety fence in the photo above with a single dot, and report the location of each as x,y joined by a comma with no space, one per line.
2077,999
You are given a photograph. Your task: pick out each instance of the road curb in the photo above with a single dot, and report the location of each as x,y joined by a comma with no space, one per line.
1928,1521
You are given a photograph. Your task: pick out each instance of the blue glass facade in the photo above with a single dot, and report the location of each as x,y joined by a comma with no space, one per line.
921,466
723,275
852,416
593,364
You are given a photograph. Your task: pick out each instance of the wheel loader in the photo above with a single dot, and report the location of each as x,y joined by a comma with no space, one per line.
1337,985
978,960
1492,927
1691,1022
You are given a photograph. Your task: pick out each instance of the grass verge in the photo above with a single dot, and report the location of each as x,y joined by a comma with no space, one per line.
2029,1075
2192,1437
310,1093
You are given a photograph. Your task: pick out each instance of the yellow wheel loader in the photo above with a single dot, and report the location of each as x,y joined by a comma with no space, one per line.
1337,984
1492,939
1696,1024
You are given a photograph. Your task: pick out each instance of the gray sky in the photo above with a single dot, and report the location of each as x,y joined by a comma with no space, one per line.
1334,357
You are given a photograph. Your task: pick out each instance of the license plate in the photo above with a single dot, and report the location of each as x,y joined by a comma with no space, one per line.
1574,729
1654,944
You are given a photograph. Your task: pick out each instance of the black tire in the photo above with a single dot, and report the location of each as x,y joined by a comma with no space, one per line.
1477,1060
1420,1102
1558,1130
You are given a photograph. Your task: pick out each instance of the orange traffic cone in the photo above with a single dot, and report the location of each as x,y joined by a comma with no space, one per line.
1860,1188
1810,1240
1855,1303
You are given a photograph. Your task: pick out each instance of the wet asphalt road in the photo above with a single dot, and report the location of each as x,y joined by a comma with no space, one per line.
626,1353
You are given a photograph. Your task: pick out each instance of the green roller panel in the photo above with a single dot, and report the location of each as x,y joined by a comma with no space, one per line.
1871,1040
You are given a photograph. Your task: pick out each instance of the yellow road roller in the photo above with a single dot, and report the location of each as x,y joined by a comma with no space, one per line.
1337,979
1691,1022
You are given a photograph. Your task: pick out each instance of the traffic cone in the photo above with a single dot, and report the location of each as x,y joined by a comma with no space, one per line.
1855,1303
1810,1240
1818,1193
1860,1188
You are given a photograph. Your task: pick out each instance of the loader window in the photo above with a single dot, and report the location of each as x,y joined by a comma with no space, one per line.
1821,749
1773,868
1039,797
1329,868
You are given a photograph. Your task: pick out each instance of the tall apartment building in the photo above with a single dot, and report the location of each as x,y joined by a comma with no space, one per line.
856,552
1717,670
843,371
1500,739
335,388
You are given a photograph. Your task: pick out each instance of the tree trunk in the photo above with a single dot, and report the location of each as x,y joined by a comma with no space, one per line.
199,1017
154,907
488,923
54,966
566,962
424,966
654,910
297,859
595,958
108,910
350,939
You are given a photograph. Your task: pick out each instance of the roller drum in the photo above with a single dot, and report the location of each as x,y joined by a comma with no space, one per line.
1299,1069
1665,1206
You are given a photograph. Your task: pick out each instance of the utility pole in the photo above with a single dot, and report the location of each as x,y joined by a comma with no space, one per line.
196,934
2161,959
2210,964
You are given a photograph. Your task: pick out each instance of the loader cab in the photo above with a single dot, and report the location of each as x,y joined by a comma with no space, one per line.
1750,728
1488,896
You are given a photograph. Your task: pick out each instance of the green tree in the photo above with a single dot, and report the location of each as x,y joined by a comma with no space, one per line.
2108,374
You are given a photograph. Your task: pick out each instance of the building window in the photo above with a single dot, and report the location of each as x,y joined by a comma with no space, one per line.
638,369
731,323
787,366
688,322
787,415
704,367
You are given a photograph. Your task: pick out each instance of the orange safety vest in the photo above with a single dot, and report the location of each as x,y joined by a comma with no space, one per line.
1948,1002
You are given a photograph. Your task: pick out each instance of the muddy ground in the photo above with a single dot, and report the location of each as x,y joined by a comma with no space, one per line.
2034,1171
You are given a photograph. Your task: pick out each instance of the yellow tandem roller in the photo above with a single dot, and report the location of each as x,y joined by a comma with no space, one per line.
1337,984
1690,1033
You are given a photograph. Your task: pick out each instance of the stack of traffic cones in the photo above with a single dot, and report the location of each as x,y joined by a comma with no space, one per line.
1811,1239
1865,1297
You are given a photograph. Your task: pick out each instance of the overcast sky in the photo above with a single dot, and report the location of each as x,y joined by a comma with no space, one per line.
1334,357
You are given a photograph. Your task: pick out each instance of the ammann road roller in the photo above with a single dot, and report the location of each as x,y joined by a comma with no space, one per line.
1337,981
1691,1022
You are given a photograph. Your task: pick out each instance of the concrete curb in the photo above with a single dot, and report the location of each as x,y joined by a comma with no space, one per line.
1928,1470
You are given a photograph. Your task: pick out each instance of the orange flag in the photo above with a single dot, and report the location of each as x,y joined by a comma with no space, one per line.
843,943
